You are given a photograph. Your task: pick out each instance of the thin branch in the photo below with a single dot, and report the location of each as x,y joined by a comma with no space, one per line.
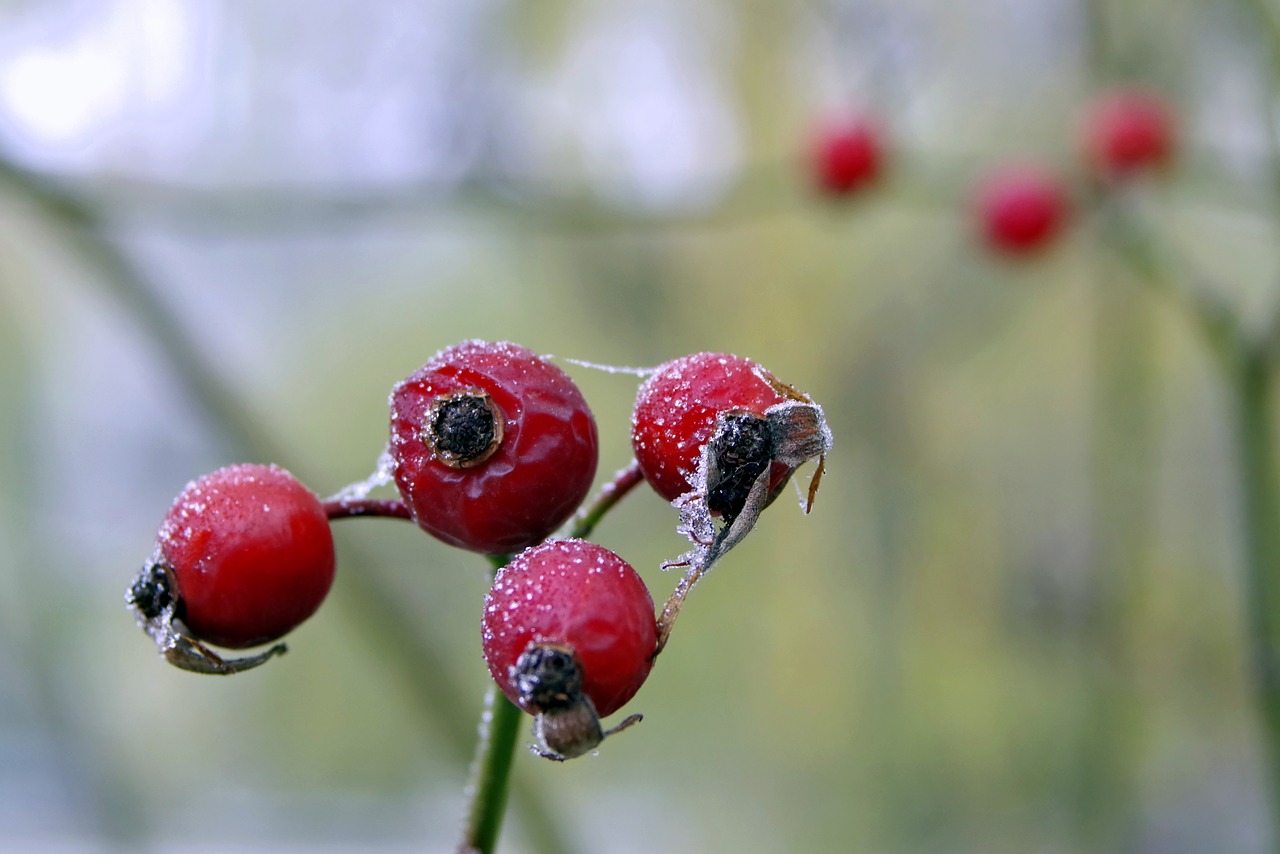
1141,248
609,495
758,193
490,773
1253,394
351,508
81,226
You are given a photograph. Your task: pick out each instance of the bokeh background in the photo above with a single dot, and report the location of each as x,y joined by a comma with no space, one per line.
1014,621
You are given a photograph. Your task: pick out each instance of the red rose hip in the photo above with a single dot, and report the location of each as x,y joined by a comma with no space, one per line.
1021,209
719,436
569,635
845,156
1128,131
243,556
494,447
753,422
676,409
580,595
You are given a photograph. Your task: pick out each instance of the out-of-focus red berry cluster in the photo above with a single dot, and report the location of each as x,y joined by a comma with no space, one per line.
1023,207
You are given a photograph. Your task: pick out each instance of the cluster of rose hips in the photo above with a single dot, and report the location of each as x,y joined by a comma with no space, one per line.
1019,208
492,449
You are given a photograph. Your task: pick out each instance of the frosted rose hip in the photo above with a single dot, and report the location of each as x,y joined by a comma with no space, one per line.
676,409
577,595
249,554
494,446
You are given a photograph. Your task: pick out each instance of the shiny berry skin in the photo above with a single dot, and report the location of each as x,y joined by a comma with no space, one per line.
576,596
1128,131
248,553
1021,209
494,446
846,156
676,409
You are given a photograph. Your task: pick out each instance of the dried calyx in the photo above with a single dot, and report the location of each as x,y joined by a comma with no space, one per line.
549,680
739,453
463,429
733,477
732,482
157,608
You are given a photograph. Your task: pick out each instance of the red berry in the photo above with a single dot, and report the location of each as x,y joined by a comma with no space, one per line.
577,596
1128,131
244,555
494,447
676,409
846,156
718,435
1021,209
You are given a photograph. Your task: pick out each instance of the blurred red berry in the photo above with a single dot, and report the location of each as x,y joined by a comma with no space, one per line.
494,446
244,555
846,156
1128,131
1021,209
576,596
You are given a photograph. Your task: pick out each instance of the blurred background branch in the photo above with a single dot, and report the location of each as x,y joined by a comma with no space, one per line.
393,634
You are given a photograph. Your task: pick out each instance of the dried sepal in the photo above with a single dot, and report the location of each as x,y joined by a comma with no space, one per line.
810,435
572,732
154,602
548,677
187,653
734,470
732,482
801,434
740,452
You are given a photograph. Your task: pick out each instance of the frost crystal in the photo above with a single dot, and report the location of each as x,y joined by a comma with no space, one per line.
608,369
382,475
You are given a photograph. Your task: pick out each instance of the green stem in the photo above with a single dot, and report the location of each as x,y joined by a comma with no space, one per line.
1248,366
491,767
1161,268
266,211
1253,392
490,773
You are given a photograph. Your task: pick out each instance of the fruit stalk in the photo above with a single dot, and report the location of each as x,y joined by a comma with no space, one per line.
490,773
491,767
387,508
608,496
